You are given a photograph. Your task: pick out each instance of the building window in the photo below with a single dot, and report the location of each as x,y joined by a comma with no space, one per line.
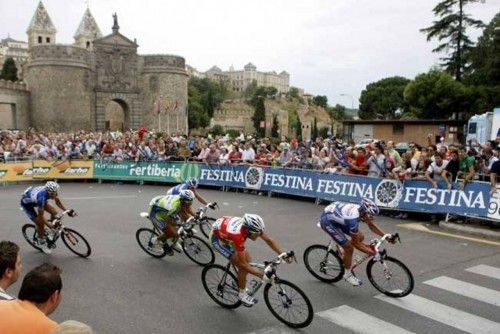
39,39
47,39
88,44
398,129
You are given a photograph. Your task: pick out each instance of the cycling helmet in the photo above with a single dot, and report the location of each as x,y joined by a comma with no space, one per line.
52,186
253,223
192,182
368,206
186,195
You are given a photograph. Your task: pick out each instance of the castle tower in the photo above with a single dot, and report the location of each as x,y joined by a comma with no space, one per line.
87,31
41,29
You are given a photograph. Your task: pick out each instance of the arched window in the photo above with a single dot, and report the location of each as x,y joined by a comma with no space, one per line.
88,44
39,39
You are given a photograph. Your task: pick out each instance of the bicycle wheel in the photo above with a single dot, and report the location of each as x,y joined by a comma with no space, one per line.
325,266
390,276
143,237
289,304
29,233
198,250
221,286
76,242
206,225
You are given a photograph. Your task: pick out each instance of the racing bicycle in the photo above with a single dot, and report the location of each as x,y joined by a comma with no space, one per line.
203,220
195,248
71,238
287,302
387,274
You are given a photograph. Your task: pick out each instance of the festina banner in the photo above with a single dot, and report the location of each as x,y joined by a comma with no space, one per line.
411,195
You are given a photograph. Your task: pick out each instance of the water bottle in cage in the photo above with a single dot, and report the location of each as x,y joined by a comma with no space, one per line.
253,286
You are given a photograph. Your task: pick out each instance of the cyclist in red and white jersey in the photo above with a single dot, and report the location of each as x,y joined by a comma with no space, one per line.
228,237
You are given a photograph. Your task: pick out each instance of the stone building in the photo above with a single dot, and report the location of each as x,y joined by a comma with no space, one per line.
98,83
17,50
239,80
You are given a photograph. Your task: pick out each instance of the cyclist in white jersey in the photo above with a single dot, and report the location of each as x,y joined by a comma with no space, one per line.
340,219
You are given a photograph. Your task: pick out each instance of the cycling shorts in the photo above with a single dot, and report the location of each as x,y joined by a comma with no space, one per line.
159,216
227,249
335,230
30,211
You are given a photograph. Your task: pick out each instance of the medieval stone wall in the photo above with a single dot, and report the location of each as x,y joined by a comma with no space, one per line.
14,105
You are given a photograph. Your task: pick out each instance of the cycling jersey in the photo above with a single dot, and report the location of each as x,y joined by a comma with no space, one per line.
163,208
177,189
339,219
228,235
34,197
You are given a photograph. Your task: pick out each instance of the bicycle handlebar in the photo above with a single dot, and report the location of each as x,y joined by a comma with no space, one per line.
59,216
377,243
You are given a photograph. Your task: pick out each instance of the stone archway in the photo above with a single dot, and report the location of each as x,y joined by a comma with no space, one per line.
125,106
116,115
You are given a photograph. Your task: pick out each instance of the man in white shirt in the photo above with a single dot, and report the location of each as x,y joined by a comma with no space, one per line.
435,170
248,154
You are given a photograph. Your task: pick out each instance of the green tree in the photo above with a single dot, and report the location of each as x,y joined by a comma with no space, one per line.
484,70
450,30
338,112
299,129
321,101
314,128
217,130
272,92
259,115
323,132
382,97
436,95
275,127
293,92
9,70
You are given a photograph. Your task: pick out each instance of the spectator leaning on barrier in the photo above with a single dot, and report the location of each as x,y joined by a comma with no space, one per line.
393,153
39,296
248,154
10,267
435,170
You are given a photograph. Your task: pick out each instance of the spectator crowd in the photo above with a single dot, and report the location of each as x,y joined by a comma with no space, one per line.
434,163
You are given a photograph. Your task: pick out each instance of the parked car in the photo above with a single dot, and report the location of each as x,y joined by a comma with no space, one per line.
365,142
402,147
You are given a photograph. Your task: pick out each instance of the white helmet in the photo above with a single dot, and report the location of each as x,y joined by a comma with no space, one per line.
186,195
253,223
52,186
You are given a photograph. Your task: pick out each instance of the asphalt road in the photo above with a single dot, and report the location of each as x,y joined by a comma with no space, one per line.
120,289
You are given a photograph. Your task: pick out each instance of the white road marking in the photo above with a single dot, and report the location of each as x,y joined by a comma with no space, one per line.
447,315
360,322
485,270
100,197
466,289
271,330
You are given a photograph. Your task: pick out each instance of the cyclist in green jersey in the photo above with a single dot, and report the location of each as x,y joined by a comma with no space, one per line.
165,211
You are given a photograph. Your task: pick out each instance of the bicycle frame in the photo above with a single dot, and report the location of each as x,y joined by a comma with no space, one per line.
375,245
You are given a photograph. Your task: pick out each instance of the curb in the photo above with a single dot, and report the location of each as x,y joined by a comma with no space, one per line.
470,229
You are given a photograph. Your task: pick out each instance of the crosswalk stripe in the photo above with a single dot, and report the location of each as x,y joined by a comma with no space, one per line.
445,314
271,330
485,270
359,322
466,289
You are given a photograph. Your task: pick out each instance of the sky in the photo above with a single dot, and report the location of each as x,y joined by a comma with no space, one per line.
329,47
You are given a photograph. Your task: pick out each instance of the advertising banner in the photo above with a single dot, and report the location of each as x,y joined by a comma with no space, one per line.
172,172
75,169
411,195
12,172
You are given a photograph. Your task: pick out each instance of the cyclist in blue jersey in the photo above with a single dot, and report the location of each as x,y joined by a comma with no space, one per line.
341,219
34,203
189,184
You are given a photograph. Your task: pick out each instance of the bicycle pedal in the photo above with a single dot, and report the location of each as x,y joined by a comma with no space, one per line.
249,305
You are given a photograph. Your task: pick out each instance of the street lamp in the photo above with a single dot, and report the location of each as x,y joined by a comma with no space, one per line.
352,99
